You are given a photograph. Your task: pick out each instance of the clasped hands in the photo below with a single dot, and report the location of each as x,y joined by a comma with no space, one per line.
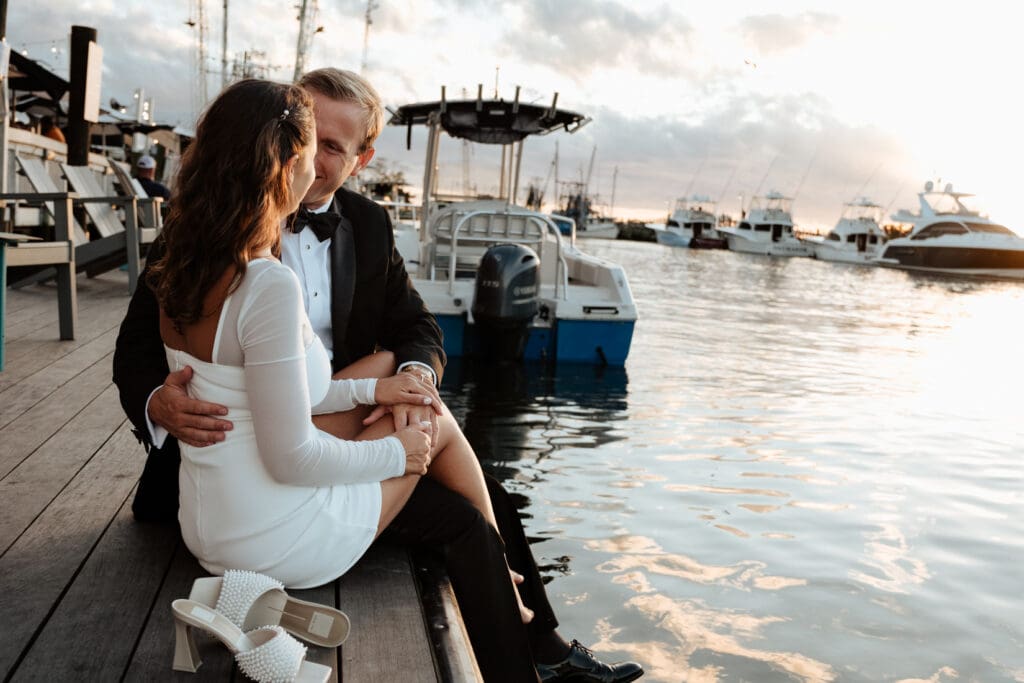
415,405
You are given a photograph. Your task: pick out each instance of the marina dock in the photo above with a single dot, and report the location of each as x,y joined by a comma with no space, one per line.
86,590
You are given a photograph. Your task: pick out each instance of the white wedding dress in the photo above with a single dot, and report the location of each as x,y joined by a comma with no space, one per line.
278,496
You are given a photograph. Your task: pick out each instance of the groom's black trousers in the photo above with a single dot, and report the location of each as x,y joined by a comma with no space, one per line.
474,556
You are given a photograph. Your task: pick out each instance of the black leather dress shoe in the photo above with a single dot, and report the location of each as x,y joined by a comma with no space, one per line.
581,666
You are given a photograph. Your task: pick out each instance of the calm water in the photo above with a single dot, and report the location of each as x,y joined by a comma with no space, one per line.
806,472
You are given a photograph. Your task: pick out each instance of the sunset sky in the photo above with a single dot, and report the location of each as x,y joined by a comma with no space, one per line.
820,103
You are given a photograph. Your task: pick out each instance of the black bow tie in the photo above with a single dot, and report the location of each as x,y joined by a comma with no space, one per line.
323,224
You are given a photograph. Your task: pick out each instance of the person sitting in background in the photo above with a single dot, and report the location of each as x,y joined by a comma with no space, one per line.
49,129
145,171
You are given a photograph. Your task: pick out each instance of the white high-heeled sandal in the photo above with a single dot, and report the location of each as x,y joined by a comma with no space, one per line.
266,654
250,600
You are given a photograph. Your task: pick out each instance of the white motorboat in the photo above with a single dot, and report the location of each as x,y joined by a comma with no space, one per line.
949,237
693,223
501,279
856,237
766,229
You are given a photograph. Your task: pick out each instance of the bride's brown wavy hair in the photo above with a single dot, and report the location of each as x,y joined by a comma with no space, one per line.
230,192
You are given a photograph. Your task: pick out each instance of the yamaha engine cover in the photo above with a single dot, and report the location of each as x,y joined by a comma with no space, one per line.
505,300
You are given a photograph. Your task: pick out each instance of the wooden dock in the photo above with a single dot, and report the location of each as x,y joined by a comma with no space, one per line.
85,591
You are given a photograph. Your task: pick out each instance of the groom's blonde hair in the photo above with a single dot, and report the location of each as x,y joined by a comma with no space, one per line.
348,86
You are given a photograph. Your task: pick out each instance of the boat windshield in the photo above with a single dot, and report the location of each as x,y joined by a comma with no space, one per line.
990,227
939,229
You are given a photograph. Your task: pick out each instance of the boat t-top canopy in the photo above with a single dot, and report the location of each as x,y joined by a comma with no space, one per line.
493,122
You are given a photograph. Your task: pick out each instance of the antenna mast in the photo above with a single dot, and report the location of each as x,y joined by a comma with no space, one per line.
224,50
590,172
200,91
465,153
615,177
370,6
307,29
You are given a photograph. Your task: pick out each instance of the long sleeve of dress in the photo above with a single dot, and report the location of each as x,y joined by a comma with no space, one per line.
346,394
272,327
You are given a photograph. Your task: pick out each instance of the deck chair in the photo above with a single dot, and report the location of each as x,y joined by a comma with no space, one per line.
100,207
150,208
108,249
23,250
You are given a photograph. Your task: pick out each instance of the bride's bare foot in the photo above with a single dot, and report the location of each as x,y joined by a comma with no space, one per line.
524,612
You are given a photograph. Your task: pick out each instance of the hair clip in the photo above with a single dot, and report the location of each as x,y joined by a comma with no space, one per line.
284,114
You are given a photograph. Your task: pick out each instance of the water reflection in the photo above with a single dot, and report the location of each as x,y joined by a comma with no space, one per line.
514,412
812,473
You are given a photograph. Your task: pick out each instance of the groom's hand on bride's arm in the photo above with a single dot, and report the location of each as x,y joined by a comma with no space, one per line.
187,419
405,414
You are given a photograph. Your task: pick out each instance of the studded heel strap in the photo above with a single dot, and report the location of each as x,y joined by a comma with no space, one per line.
277,660
240,590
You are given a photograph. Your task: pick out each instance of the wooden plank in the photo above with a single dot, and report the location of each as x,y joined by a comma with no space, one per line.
38,568
155,651
30,321
26,433
28,356
17,400
99,308
453,651
389,640
29,488
40,323
31,308
91,634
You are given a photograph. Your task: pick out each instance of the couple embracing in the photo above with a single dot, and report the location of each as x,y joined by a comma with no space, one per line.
278,343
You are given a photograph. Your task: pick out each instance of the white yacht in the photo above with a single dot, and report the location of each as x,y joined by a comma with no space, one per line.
501,279
949,237
767,229
692,224
856,237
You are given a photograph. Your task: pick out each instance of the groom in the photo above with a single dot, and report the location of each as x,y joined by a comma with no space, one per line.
359,298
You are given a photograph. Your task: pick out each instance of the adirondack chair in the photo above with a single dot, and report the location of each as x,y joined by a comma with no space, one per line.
100,207
150,208
109,248
24,250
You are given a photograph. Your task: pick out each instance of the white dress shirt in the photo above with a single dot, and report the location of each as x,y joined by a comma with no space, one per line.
310,259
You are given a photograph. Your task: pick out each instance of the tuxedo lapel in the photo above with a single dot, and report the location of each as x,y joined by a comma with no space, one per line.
343,280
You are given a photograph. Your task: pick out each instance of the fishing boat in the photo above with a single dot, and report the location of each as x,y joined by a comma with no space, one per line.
949,237
766,229
502,279
693,223
856,237
589,224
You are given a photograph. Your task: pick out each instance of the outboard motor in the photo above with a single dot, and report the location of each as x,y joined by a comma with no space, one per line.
506,300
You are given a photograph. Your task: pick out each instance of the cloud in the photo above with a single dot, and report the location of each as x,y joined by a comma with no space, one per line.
775,34
578,37
734,145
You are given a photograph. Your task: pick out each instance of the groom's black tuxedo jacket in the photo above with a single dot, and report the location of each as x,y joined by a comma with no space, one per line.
373,305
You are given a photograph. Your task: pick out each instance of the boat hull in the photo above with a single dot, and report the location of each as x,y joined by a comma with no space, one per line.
604,232
600,342
1002,263
824,252
783,247
681,237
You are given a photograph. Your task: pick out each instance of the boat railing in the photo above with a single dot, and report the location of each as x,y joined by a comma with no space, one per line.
404,212
497,227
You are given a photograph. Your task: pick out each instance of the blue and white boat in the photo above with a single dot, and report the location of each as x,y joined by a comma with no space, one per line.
493,271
